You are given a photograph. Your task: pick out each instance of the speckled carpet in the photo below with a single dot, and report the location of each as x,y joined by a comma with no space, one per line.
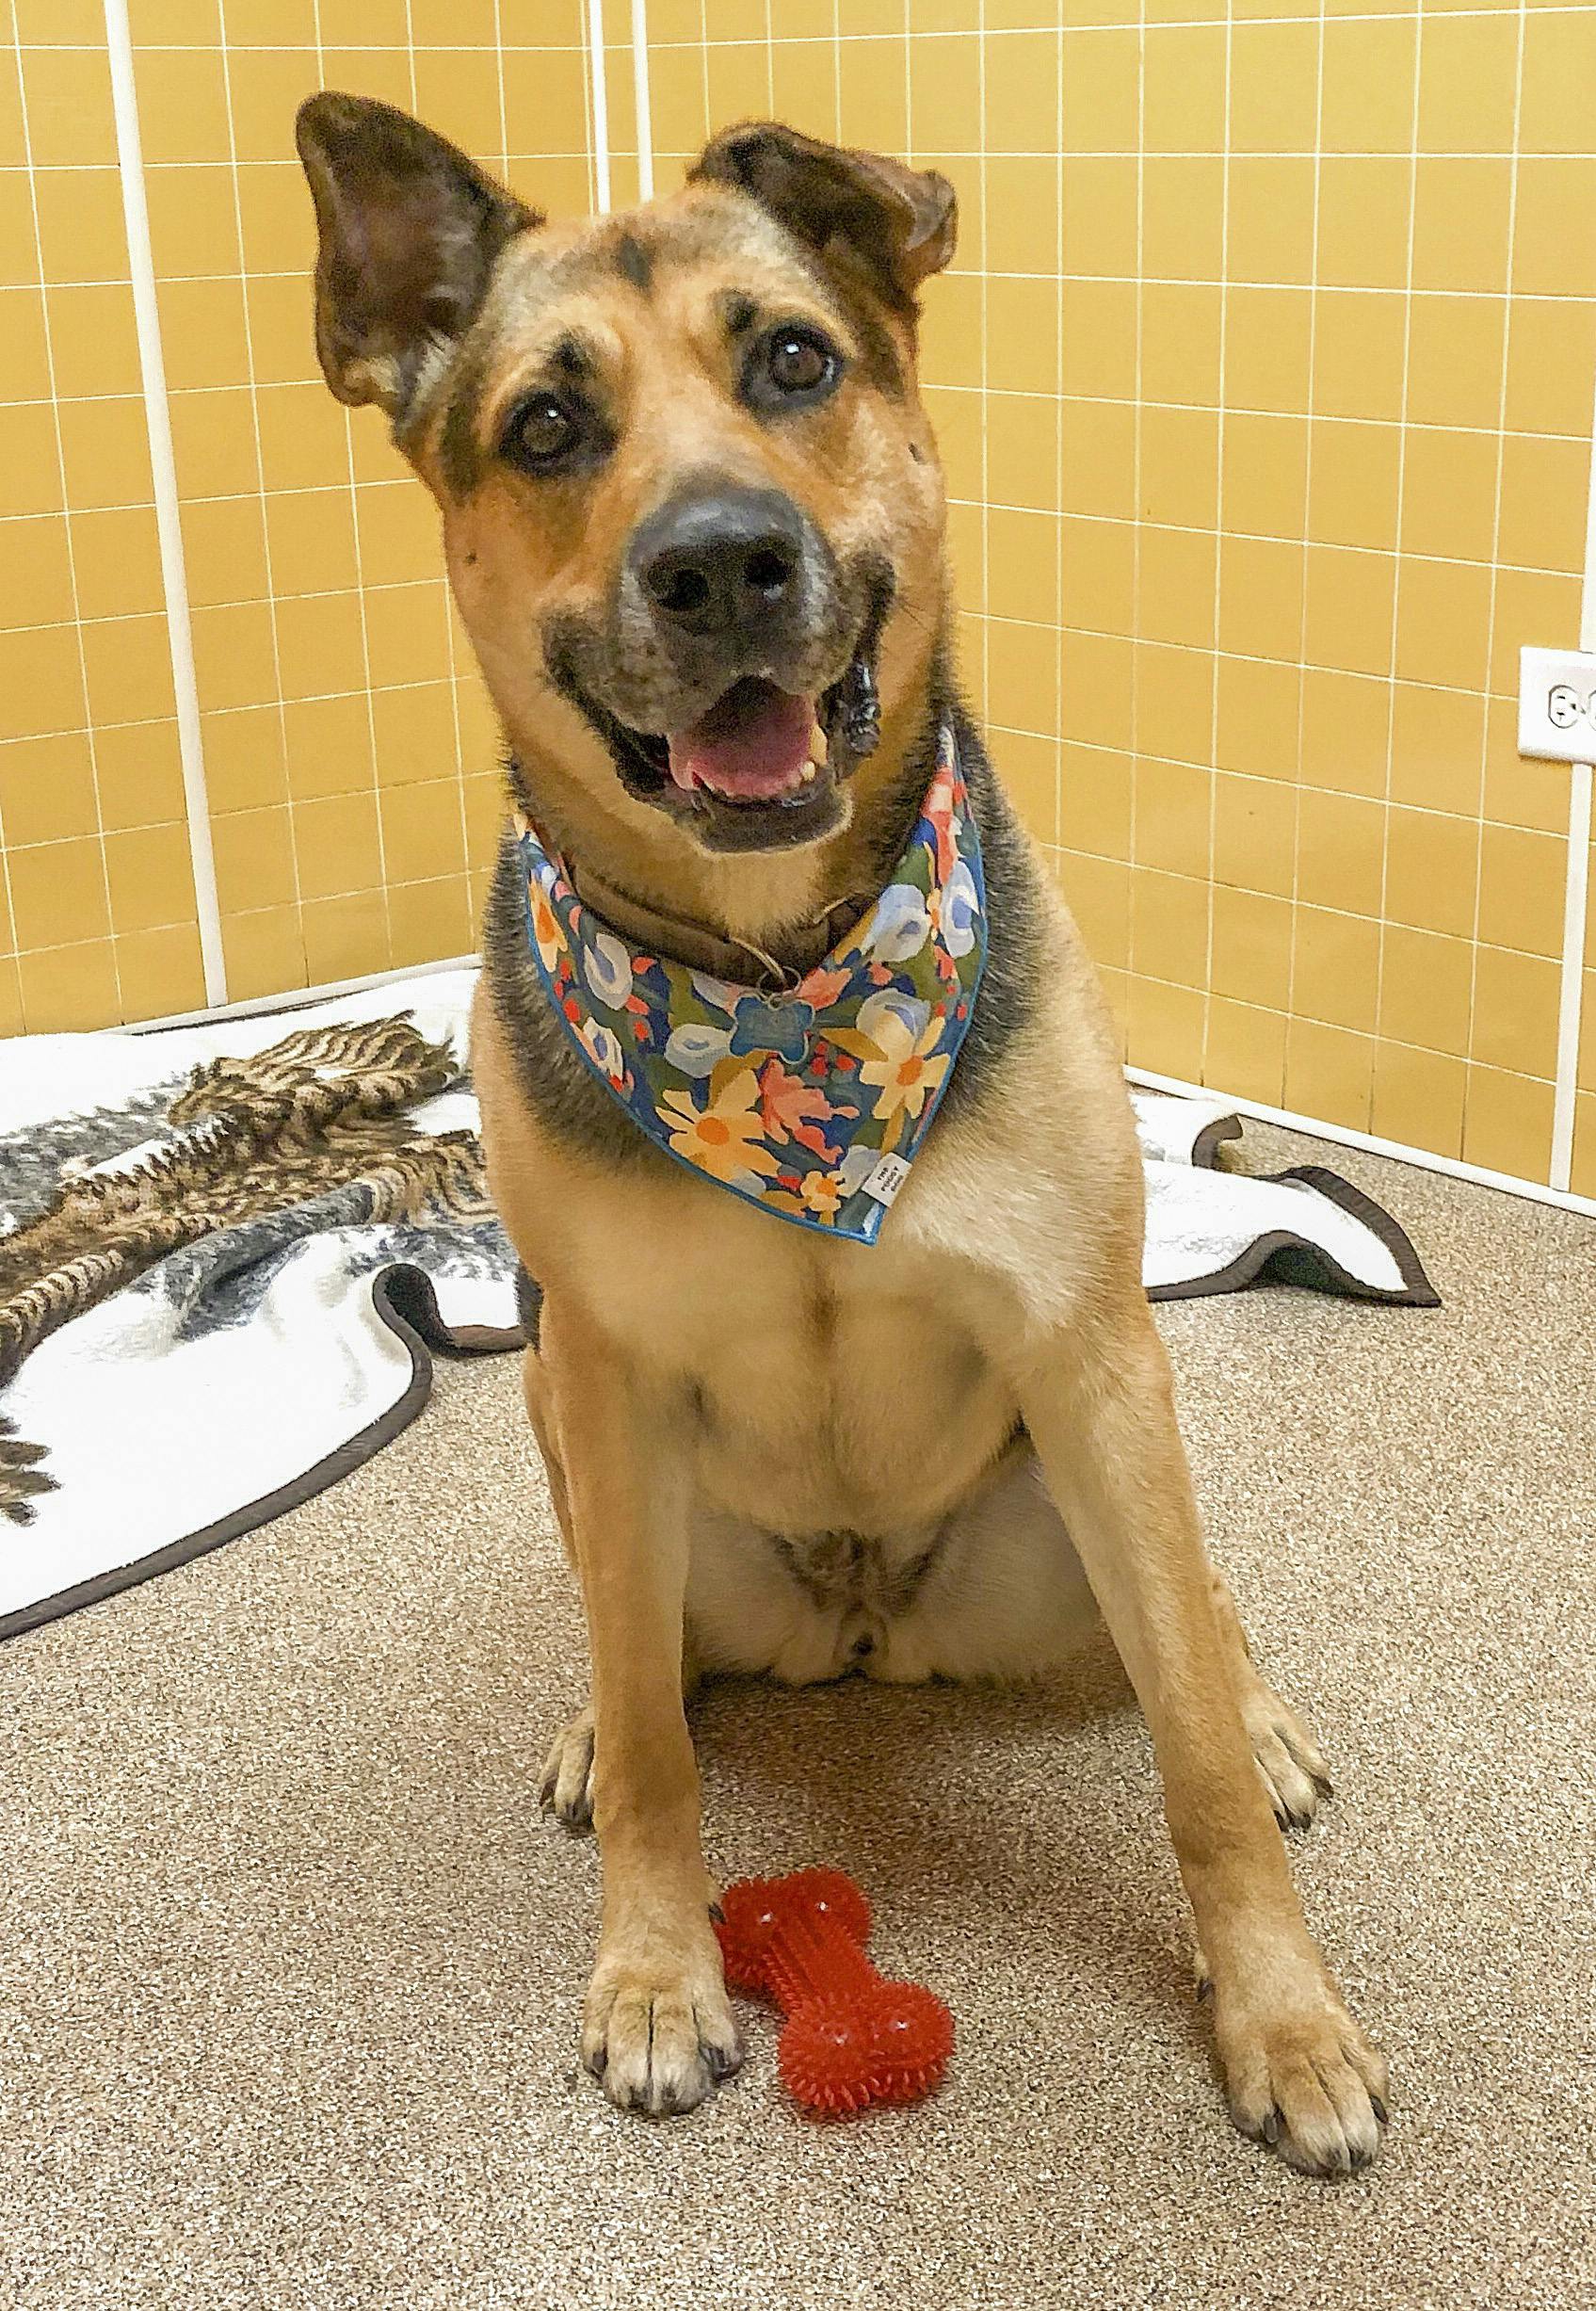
290,1963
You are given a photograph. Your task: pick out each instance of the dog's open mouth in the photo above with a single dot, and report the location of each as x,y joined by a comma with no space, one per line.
757,744
763,767
758,769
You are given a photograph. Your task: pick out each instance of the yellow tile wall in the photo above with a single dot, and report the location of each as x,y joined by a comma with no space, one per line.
96,896
349,753
1263,382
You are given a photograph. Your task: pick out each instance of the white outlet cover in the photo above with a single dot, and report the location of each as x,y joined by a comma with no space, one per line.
1557,704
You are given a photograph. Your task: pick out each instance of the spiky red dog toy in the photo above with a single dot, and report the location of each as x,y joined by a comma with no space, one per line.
850,2037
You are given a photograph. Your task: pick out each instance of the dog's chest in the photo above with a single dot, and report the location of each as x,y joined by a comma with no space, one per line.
827,1389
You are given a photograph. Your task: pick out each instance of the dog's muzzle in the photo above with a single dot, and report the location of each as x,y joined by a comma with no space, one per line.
734,687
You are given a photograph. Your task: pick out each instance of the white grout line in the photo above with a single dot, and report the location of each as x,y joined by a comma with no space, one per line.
1219,461
1133,824
1575,885
1315,421
860,40
272,598
985,388
1058,531
1342,1136
450,656
351,482
641,102
1494,582
168,526
504,110
599,99
1392,678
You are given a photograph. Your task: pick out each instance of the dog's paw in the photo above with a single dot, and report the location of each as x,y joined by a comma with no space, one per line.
659,2033
1288,1756
1303,2079
566,1788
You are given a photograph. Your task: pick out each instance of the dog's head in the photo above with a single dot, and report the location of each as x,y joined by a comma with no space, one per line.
691,505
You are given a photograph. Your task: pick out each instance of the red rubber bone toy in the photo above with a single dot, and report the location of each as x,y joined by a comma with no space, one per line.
850,2037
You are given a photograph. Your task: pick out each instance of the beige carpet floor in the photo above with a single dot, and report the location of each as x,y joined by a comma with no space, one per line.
290,1964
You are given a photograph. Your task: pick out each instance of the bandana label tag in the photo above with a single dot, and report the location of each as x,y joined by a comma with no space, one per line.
886,1179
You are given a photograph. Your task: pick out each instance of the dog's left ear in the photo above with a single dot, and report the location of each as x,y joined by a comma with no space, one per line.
900,222
410,227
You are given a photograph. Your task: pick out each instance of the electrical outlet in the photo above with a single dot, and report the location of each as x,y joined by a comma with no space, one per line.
1557,704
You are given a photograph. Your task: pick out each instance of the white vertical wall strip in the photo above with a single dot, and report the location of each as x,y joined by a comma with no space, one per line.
642,105
1574,916
158,419
599,99
1576,882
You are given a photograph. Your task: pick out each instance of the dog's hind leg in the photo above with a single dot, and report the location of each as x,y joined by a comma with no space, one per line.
1294,1773
565,1786
541,1412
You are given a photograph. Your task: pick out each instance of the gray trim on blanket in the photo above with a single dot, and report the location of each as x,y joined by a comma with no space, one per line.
1286,1258
405,1301
1283,1259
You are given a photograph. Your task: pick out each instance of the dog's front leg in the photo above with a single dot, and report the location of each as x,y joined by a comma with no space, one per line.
1100,1407
658,2026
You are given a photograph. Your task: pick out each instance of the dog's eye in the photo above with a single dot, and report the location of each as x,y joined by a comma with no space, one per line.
798,363
541,432
793,364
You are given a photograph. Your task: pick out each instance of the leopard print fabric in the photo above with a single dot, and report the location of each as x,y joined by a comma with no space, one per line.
325,1108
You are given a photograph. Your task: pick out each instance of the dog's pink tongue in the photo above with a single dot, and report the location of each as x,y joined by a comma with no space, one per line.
754,742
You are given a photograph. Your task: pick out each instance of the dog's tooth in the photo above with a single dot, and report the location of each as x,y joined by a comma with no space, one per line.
819,748
806,775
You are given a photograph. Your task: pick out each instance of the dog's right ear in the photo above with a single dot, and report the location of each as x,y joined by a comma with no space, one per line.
410,227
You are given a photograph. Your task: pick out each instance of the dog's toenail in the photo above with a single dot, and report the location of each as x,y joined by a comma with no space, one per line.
1379,2109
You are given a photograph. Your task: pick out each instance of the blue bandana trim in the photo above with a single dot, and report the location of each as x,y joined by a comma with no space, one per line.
810,1106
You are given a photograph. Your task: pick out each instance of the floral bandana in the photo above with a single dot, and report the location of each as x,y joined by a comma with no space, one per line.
811,1104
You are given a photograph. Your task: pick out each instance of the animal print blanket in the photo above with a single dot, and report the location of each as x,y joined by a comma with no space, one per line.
227,1249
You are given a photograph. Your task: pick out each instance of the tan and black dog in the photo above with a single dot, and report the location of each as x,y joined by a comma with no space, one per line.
693,520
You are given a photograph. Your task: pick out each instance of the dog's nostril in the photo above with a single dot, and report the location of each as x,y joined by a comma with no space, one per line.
681,590
768,571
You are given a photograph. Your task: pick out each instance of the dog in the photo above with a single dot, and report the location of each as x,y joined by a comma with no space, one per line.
693,520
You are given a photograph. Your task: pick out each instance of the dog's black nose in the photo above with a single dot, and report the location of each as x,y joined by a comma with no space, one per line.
720,563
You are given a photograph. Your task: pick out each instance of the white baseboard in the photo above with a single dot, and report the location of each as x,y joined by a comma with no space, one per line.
295,998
